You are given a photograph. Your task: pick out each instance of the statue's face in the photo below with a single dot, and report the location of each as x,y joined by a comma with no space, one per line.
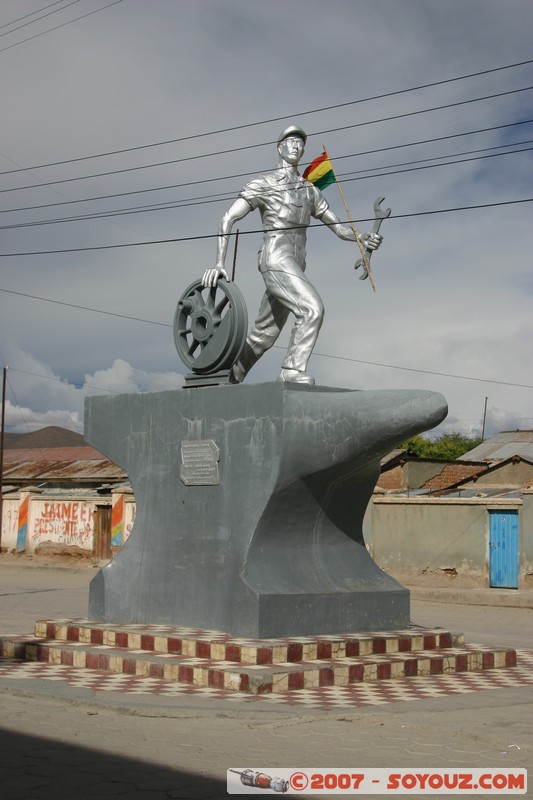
291,149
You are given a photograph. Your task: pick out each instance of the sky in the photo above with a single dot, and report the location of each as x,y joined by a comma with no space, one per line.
110,107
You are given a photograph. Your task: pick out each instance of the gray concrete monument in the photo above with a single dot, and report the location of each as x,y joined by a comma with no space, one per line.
250,501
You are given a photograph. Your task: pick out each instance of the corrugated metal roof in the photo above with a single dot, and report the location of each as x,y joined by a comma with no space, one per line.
72,471
486,491
394,454
504,445
74,492
85,453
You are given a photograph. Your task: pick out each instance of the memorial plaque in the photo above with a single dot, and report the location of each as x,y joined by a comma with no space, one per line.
199,463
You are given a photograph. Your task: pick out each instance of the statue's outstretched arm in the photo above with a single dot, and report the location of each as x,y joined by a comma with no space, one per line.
371,240
238,210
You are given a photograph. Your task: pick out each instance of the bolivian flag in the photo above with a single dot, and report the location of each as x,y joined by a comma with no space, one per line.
320,172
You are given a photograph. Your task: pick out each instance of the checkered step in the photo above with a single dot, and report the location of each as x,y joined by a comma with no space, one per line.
254,678
216,646
356,695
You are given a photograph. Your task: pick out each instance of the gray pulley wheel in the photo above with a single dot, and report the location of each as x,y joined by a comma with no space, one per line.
210,326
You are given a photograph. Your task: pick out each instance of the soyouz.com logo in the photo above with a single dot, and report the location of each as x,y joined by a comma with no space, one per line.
264,780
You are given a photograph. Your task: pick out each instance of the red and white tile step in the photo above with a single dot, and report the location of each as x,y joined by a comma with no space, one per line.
216,660
355,695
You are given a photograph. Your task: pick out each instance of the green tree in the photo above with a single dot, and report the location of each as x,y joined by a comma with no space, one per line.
447,447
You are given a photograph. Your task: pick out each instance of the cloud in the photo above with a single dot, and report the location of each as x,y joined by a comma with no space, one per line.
20,419
453,289
37,397
122,377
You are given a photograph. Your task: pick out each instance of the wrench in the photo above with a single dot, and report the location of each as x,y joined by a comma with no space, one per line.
380,214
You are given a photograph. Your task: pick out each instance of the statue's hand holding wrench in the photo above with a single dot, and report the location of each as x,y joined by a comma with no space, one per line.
380,214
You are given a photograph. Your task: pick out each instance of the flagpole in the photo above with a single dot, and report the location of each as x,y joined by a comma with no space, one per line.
366,262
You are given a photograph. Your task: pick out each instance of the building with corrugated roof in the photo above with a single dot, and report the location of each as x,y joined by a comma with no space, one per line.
502,446
61,495
471,519
407,474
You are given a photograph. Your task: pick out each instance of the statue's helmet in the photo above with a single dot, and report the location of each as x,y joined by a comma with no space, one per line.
292,130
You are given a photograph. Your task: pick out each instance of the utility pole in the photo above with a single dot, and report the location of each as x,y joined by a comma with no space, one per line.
2,452
484,420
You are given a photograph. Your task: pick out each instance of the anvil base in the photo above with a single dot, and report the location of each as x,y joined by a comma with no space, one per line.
250,502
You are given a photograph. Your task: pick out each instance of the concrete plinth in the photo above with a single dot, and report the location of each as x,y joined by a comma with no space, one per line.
250,501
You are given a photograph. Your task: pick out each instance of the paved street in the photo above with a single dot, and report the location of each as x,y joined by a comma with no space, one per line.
62,740
27,590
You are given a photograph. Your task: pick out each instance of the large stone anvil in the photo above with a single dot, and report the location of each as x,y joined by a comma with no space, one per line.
250,502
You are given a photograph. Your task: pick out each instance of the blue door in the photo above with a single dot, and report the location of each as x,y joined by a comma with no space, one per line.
503,548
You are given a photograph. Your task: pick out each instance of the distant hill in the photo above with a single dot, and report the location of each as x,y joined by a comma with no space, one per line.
52,436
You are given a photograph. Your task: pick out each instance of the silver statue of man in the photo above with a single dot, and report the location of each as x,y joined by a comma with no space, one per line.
286,202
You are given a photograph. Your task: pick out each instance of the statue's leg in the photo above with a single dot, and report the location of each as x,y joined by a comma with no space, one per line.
301,298
271,318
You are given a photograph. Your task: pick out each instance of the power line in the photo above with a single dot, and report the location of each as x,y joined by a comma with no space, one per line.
200,237
276,119
37,11
264,144
80,203
426,371
58,380
35,36
431,166
247,174
449,155
86,308
19,409
31,22
203,200
322,355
